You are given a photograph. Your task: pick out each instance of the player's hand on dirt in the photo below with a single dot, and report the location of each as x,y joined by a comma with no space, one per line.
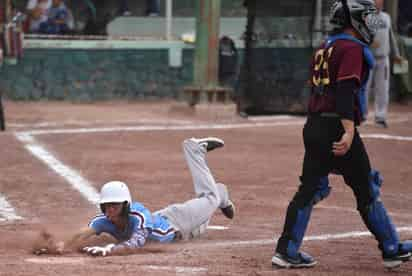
341,147
99,250
46,244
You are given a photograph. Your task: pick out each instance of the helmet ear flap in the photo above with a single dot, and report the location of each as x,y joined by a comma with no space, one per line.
126,209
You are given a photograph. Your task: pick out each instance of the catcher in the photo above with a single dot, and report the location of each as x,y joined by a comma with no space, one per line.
132,224
332,142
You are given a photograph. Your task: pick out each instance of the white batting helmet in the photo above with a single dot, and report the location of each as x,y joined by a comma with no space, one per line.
115,192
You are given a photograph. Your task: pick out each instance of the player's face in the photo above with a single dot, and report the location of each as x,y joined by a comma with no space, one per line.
113,211
379,4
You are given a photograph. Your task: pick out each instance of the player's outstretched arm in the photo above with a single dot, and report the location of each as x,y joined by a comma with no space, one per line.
46,243
136,241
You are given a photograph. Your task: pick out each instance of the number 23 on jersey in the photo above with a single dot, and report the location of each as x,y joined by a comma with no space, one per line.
320,69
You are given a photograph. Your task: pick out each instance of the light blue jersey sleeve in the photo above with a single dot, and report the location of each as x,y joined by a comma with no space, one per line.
142,225
101,224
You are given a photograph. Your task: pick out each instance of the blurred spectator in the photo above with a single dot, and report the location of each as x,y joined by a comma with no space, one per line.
37,13
228,62
59,19
124,8
384,45
405,17
153,8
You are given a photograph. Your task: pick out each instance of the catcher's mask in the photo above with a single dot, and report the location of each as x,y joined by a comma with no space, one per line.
362,17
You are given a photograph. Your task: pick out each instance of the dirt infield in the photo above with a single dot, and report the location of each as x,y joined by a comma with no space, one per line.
51,150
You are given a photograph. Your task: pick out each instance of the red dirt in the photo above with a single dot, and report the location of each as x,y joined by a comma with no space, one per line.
260,165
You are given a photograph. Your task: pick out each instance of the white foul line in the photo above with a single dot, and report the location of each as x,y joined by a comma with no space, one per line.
75,179
387,137
169,127
178,269
198,127
324,237
7,211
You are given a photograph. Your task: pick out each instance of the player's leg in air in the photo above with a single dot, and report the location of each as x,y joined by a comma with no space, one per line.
192,217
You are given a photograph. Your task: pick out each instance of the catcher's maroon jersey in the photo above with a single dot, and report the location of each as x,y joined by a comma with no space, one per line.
341,61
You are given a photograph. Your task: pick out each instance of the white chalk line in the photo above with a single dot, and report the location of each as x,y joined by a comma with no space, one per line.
217,227
77,181
353,210
199,127
7,212
323,237
268,118
179,270
162,128
387,137
97,122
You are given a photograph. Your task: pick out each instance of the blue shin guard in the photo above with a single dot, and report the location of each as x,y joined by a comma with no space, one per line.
405,246
298,231
378,221
298,219
381,226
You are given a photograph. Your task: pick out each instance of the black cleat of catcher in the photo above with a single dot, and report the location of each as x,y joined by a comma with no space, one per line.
303,260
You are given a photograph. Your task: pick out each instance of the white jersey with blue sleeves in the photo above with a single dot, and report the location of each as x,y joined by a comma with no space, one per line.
142,225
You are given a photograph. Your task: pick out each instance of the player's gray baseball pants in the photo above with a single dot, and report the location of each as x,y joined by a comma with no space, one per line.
192,217
378,85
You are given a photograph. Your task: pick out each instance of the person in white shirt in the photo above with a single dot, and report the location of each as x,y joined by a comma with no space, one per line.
37,12
383,45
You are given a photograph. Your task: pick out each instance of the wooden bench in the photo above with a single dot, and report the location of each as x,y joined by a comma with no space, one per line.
195,95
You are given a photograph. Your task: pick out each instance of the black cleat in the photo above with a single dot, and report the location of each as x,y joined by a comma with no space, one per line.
229,211
303,260
397,260
404,254
381,123
210,143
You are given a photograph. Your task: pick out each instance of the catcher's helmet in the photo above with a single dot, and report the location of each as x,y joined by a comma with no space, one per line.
363,17
115,192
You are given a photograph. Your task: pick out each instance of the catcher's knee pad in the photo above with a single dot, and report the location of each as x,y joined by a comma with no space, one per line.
377,220
375,184
312,191
322,191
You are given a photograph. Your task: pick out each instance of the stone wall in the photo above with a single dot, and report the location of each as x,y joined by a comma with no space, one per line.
84,75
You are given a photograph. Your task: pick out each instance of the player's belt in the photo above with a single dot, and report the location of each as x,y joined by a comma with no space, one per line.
329,115
325,115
